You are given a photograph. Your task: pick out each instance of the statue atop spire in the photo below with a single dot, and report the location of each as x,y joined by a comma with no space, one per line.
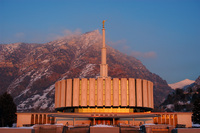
103,23
103,65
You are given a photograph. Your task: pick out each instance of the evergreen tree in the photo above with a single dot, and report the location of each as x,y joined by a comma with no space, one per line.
196,112
7,110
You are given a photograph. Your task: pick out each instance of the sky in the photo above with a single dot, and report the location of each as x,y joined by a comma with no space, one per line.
163,34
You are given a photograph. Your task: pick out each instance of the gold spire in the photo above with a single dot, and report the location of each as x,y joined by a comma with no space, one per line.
103,65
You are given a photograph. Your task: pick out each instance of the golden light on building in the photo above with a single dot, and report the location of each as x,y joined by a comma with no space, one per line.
87,94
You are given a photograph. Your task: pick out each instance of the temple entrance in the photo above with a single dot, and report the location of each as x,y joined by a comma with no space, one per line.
102,121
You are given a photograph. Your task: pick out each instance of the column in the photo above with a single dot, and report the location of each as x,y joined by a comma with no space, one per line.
69,93
59,94
108,92
84,92
100,92
92,92
113,121
152,103
123,92
73,121
149,94
144,82
76,88
115,92
139,92
93,121
62,94
131,89
56,95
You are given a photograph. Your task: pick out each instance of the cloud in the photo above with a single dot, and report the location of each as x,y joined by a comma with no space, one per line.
117,43
68,33
120,44
124,48
63,34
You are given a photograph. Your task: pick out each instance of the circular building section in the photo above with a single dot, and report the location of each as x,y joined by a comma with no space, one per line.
104,95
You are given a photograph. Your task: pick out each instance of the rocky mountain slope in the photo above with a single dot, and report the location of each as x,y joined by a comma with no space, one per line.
181,84
182,99
29,71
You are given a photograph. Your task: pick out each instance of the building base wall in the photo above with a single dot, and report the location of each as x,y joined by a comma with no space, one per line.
16,130
186,130
104,130
185,119
168,118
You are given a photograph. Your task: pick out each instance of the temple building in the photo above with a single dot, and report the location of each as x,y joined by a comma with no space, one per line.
104,94
104,100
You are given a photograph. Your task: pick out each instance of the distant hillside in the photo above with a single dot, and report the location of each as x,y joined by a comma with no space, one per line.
29,71
182,99
181,84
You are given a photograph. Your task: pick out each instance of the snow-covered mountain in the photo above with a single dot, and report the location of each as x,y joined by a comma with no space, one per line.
29,71
181,84
182,99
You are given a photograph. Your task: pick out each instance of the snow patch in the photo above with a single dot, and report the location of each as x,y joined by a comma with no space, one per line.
180,103
195,125
10,48
183,103
181,84
65,75
37,101
35,97
45,61
170,106
88,68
